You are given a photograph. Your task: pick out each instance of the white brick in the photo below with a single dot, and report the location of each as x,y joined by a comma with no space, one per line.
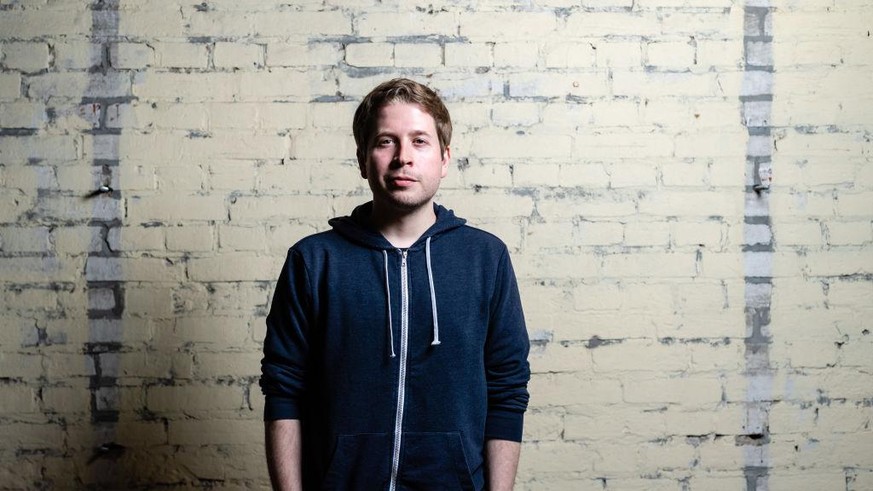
559,85
619,54
845,233
413,55
271,23
515,114
23,115
278,84
601,24
673,54
492,26
182,55
664,84
156,22
369,54
468,55
188,87
25,24
10,85
285,54
386,24
621,144
27,57
505,144
515,54
77,55
238,55
569,55
719,53
131,55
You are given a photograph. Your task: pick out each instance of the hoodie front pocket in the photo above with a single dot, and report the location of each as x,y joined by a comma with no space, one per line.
360,462
433,461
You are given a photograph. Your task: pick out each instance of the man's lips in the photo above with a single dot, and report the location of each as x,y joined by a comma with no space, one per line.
401,180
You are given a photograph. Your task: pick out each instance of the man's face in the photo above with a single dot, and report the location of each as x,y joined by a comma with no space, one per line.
404,164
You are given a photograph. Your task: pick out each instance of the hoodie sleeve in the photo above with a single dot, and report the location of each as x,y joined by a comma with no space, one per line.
283,368
506,367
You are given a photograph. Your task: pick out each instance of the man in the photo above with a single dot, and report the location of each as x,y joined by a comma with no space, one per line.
396,349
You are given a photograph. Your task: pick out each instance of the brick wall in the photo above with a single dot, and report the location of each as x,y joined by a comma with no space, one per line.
690,332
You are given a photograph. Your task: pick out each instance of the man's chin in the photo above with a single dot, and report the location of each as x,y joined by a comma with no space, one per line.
409,207
406,205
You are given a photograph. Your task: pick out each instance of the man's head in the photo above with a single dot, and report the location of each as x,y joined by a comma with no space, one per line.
402,91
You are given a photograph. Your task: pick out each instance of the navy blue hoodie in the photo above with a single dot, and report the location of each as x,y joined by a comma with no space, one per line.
399,363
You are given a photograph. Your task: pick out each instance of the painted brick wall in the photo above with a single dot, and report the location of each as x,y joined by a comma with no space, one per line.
692,330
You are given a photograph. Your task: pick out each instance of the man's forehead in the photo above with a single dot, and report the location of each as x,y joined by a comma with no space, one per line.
395,105
407,111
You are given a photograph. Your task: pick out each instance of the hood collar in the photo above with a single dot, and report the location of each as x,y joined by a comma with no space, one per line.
358,228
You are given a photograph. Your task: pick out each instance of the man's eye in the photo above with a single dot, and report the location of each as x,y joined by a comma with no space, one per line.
384,142
419,141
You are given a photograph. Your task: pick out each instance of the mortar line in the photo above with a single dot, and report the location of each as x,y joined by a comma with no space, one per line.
756,99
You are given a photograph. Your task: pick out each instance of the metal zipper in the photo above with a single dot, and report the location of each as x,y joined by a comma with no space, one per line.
401,380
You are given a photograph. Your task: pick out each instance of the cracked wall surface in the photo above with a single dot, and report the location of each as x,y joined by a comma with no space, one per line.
685,186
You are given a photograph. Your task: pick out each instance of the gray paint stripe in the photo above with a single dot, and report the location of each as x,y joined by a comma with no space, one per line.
756,100
105,292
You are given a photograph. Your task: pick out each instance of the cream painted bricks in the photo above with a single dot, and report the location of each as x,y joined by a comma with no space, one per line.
610,143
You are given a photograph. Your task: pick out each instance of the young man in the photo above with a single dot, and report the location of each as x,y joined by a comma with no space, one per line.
396,349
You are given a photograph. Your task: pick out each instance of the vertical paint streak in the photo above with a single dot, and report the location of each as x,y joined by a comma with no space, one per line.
757,100
105,288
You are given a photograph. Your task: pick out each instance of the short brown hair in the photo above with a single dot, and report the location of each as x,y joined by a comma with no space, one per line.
399,90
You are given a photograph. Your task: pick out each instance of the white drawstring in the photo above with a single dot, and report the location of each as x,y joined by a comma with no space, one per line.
433,305
388,294
436,324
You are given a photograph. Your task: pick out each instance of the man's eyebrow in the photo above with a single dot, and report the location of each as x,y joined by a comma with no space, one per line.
377,134
419,133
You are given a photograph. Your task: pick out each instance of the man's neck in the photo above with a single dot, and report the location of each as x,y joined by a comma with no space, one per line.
403,229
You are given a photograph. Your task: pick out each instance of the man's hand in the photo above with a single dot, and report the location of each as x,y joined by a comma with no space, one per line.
283,454
501,457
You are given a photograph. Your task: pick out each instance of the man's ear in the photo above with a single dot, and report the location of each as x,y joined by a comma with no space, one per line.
447,156
362,161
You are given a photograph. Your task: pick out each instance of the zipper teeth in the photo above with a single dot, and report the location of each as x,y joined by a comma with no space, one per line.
401,382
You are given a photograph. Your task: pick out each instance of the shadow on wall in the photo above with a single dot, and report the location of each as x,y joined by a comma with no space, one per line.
169,365
172,373
173,368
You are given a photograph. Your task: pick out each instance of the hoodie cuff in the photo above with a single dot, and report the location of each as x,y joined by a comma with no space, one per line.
280,408
504,425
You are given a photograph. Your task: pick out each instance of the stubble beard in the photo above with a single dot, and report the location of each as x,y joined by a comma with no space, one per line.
401,203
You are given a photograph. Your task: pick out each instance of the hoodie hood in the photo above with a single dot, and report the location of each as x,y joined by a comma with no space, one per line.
358,228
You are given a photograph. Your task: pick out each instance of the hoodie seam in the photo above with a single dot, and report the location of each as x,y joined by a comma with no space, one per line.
499,272
310,294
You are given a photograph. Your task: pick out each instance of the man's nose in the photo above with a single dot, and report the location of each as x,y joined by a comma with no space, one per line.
404,153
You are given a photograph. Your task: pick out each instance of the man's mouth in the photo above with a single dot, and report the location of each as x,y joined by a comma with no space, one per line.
401,180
